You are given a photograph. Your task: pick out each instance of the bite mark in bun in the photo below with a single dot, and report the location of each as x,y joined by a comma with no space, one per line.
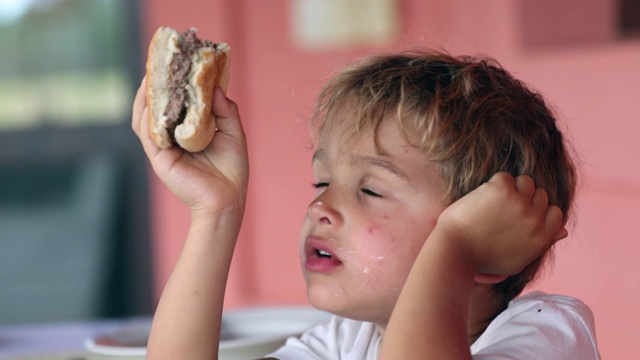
182,71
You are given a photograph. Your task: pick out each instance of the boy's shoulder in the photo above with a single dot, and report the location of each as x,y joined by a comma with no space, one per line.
539,301
558,323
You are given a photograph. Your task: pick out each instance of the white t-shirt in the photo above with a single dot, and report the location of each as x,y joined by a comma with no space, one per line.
534,326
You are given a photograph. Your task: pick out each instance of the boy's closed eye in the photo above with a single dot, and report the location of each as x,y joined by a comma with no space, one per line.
366,191
370,193
320,185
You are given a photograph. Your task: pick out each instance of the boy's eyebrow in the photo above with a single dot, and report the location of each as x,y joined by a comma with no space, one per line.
385,165
370,162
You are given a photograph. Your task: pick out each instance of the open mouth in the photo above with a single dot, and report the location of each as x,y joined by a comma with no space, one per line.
323,254
319,258
318,253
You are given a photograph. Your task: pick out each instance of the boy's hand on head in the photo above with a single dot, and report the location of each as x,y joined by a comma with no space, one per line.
212,180
503,225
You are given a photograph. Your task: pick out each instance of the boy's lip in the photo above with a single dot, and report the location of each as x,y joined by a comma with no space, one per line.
313,244
319,256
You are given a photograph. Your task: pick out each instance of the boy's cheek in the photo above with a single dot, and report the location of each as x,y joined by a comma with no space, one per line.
381,249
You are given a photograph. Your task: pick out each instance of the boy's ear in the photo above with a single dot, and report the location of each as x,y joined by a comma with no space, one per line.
489,279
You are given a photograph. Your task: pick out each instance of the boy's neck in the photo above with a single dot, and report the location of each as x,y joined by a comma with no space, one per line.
484,306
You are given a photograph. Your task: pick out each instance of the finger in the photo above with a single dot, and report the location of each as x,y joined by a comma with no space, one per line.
525,185
139,105
221,106
501,176
553,223
540,199
227,116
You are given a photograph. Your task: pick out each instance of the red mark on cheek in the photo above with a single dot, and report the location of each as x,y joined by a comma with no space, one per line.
373,230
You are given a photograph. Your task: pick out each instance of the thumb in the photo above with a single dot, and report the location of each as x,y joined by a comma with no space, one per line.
226,114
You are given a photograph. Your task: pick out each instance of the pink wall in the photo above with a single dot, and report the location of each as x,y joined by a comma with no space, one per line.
595,84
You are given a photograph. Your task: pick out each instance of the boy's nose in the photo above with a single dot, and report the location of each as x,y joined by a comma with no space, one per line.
320,212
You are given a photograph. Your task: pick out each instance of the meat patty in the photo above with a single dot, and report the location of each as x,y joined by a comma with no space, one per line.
179,77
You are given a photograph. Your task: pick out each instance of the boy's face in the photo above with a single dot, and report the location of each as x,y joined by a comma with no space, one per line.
368,221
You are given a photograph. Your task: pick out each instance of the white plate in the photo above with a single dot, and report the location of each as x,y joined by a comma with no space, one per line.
245,333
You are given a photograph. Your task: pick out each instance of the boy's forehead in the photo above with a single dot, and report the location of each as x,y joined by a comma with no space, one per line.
346,126
390,153
349,121
340,133
335,144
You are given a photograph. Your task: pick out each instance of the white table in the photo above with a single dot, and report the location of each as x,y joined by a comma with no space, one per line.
57,341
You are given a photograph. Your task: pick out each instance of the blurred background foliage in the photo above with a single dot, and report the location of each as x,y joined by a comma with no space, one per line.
65,62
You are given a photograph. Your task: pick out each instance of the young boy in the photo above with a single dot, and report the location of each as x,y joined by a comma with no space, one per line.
441,183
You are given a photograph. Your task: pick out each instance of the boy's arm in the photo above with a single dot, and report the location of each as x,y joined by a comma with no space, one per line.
213,184
497,230
430,317
186,324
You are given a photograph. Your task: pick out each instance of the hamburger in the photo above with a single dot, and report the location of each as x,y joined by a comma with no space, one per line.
182,71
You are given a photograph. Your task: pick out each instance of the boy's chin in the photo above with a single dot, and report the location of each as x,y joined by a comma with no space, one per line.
319,300
339,306
325,300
